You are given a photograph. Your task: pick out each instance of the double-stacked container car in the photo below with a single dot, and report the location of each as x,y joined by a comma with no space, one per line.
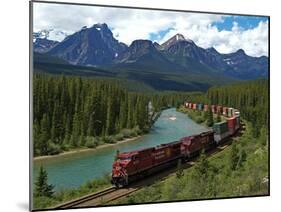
221,131
131,166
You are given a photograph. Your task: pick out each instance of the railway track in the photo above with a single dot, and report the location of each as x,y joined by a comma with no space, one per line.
86,198
112,193
99,198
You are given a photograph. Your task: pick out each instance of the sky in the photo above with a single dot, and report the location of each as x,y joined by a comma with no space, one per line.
226,33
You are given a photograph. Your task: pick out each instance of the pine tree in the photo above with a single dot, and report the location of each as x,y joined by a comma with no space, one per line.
234,157
44,135
75,131
109,128
201,175
179,172
203,166
42,188
210,120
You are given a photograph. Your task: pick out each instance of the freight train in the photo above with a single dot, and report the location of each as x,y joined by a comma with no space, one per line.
135,165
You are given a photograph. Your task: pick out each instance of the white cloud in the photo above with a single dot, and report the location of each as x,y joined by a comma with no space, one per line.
130,24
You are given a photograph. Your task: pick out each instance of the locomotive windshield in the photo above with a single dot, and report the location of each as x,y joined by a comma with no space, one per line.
124,158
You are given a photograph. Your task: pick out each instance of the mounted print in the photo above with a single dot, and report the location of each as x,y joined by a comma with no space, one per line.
137,105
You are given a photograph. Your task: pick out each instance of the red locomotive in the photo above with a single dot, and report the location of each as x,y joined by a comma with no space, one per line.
131,166
192,145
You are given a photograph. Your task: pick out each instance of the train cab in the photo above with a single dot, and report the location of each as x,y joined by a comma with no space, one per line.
121,168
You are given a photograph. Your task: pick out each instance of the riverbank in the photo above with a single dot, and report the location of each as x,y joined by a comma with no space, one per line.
83,149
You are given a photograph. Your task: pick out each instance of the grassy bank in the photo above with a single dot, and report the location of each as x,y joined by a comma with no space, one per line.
240,170
90,142
70,194
95,143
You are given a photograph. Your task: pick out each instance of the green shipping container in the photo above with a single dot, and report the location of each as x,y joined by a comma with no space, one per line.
220,127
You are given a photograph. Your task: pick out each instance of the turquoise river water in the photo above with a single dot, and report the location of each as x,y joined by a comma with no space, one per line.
70,171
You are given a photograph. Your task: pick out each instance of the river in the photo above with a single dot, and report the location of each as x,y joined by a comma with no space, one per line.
71,171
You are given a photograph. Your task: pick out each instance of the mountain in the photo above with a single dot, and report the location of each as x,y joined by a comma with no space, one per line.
144,55
50,34
96,46
186,53
43,39
243,66
41,58
89,46
42,45
173,40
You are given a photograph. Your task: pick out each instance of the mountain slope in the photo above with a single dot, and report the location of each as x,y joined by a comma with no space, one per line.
143,55
42,45
89,46
243,66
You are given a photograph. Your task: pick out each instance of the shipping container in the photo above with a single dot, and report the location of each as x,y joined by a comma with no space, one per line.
220,127
236,113
200,107
219,109
237,122
221,137
230,112
206,107
231,123
225,111
194,107
213,108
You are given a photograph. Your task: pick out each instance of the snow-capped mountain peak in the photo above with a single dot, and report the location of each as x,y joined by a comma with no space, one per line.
50,34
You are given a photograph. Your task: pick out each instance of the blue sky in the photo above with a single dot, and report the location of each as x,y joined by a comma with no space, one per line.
246,22
225,33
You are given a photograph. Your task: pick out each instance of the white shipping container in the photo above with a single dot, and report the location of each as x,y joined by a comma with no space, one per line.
219,137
